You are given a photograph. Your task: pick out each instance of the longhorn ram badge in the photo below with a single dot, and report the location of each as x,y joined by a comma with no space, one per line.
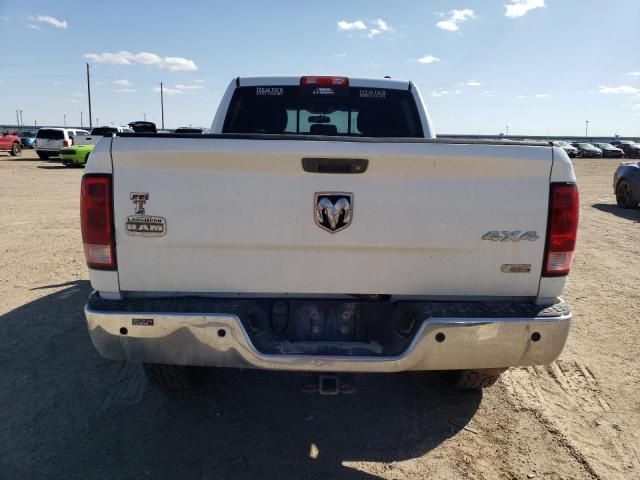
333,210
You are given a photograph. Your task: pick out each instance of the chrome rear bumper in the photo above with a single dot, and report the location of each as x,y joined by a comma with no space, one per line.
220,340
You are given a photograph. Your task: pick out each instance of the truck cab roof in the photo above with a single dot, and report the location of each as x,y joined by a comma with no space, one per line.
296,80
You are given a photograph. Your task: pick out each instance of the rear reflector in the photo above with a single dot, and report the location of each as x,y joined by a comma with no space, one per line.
324,81
562,231
96,222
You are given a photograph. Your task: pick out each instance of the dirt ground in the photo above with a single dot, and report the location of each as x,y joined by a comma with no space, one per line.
67,413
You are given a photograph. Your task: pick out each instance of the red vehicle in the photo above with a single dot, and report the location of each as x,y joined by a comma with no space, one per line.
10,142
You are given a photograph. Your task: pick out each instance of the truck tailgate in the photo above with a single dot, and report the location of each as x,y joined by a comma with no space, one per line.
240,217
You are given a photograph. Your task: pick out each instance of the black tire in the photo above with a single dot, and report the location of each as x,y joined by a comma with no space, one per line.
16,150
86,159
476,379
173,378
43,156
624,195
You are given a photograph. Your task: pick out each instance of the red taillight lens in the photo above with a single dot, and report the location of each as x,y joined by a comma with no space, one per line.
563,228
96,222
325,81
66,143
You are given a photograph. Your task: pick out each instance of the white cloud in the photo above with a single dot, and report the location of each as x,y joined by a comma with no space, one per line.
345,26
340,55
518,8
123,57
522,96
77,94
382,25
447,25
188,87
122,83
125,90
455,17
542,95
168,91
428,59
442,93
634,74
636,107
199,81
35,27
471,83
375,27
620,89
488,93
49,20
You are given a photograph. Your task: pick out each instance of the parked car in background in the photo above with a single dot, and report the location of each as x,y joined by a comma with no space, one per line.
97,133
626,184
49,141
76,155
586,150
567,147
27,139
143,127
630,149
609,151
197,131
10,142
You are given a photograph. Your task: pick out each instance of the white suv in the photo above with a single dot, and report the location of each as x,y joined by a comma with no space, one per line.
49,141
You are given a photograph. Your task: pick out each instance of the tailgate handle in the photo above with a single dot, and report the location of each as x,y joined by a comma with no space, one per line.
335,165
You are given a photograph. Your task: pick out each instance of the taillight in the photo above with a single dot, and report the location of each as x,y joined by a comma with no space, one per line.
96,222
66,143
562,230
324,81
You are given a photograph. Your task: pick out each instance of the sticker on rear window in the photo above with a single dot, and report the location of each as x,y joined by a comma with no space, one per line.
269,91
372,93
323,91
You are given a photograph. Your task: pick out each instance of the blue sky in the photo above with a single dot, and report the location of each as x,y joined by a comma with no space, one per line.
539,66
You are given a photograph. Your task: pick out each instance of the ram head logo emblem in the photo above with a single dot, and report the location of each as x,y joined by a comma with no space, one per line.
333,210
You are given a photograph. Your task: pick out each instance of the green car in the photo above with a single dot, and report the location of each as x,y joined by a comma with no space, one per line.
76,155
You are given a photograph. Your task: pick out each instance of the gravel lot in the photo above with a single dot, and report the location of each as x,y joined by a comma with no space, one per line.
67,413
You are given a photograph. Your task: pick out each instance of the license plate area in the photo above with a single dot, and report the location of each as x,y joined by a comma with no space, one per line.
331,327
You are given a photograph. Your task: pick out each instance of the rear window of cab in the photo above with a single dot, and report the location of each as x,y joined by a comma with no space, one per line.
342,111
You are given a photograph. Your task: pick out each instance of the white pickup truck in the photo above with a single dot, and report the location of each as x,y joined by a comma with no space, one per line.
97,133
322,227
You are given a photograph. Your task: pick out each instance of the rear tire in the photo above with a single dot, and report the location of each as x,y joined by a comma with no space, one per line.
624,195
16,150
173,378
43,156
476,379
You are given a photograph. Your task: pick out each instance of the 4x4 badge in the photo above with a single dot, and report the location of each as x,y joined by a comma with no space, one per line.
141,224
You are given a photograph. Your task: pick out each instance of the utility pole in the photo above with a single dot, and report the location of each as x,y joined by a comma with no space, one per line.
65,119
17,117
507,130
81,124
21,121
144,115
89,96
97,122
162,103
586,128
